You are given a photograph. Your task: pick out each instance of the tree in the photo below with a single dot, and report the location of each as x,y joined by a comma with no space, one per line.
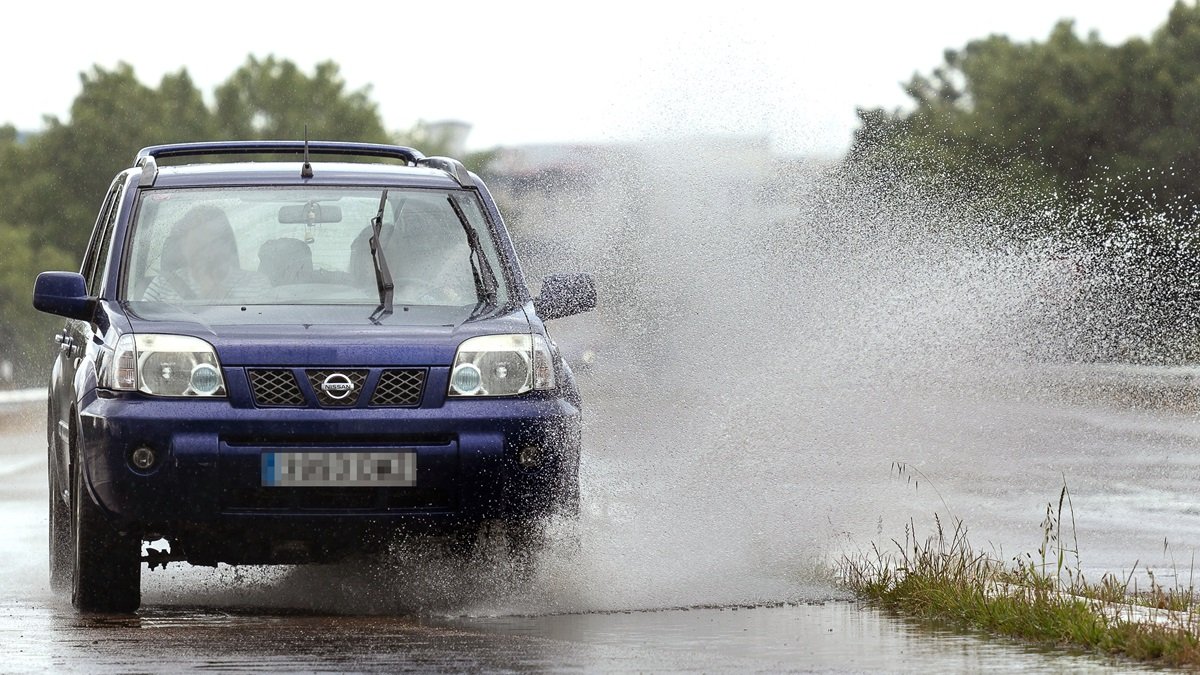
272,98
1095,144
64,171
52,182
1082,121
24,333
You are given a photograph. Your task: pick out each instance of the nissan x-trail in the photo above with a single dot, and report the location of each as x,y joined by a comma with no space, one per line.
291,361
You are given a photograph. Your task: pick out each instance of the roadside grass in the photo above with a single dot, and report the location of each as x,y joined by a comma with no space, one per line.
1044,599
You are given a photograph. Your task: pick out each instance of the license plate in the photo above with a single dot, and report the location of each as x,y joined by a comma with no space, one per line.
339,469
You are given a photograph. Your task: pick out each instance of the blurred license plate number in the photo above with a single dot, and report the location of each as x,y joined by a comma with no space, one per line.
339,469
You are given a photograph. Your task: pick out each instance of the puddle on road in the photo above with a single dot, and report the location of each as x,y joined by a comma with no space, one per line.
830,637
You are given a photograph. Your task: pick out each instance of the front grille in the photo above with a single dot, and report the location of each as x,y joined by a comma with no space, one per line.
279,387
399,388
324,383
275,387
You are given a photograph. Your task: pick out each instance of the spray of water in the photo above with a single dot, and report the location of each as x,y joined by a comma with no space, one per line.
773,336
780,334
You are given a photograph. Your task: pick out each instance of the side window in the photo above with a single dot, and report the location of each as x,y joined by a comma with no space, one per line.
95,263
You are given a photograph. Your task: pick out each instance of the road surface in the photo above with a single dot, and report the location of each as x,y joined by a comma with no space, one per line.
705,555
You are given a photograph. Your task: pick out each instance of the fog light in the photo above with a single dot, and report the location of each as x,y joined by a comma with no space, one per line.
142,459
466,379
529,456
206,379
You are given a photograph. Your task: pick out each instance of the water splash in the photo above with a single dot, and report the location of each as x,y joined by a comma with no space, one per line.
772,337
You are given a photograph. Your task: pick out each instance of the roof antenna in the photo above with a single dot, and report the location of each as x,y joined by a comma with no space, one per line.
306,170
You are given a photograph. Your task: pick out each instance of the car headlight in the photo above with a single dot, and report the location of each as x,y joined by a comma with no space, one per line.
163,365
502,365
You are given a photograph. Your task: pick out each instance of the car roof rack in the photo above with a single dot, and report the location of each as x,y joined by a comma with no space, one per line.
147,158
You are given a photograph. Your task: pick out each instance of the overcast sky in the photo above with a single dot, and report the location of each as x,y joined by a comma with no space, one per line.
550,72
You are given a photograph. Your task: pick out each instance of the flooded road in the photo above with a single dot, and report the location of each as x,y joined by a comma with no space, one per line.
677,571
833,637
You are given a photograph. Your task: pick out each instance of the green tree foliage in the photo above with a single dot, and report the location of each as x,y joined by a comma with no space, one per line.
24,333
55,180
52,182
1069,119
1091,145
273,98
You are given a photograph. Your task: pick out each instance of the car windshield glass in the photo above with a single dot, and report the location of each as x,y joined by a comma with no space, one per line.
253,246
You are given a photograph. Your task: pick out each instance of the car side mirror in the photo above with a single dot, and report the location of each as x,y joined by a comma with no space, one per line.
565,295
64,294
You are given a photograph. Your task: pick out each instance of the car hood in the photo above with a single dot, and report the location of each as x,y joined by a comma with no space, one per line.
324,335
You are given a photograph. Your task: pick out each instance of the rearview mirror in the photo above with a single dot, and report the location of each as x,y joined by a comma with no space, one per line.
64,294
310,213
565,295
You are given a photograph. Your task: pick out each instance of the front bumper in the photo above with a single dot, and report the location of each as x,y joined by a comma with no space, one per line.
206,487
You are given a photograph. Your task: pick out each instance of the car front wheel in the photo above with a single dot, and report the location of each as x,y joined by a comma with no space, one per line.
107,566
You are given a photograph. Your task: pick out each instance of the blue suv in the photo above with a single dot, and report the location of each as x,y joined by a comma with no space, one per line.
281,362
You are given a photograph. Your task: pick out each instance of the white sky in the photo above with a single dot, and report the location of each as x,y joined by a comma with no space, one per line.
550,72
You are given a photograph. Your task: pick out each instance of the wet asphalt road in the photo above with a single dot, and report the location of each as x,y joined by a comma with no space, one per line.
616,606
833,637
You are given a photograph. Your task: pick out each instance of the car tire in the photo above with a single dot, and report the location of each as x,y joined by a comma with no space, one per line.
60,526
106,564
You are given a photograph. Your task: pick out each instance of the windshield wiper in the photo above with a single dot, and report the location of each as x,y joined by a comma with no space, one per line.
383,276
481,269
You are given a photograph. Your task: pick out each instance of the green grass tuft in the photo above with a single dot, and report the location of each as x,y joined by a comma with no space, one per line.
1042,599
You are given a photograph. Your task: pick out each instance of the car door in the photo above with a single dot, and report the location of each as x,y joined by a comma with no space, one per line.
75,348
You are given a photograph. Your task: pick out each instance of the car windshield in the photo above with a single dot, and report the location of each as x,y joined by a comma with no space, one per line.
277,245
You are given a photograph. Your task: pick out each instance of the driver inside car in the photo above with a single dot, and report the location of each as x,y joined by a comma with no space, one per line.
427,252
200,263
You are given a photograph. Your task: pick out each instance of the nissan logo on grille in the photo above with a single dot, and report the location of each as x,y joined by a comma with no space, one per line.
337,386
